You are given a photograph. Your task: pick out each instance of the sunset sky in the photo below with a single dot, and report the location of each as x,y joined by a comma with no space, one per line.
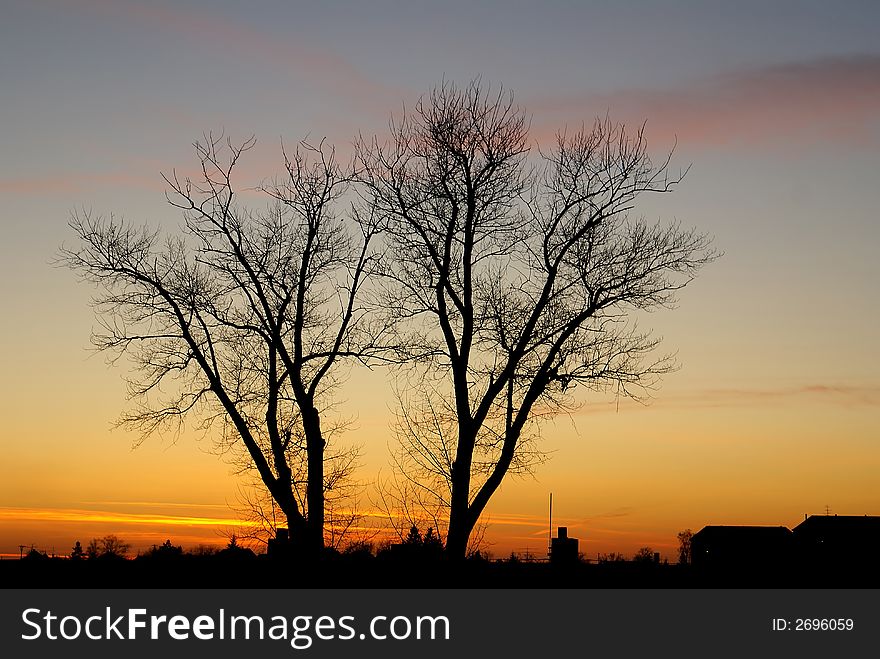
775,410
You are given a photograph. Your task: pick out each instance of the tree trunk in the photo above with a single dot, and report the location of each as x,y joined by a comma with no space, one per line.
295,526
314,540
460,522
457,536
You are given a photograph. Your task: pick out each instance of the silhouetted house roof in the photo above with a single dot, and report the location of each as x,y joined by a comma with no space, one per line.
850,538
731,546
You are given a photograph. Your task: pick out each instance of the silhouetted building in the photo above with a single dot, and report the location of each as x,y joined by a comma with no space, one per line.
563,550
847,540
740,546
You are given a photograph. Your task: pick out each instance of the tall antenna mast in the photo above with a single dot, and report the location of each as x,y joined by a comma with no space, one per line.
550,527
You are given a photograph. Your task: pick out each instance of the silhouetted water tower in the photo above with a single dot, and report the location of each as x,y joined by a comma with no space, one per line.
563,550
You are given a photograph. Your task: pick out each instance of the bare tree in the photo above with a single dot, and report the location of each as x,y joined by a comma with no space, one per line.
345,522
515,277
644,555
109,547
684,546
244,319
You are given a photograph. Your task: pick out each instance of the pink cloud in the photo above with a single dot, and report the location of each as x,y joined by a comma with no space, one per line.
834,99
208,27
144,173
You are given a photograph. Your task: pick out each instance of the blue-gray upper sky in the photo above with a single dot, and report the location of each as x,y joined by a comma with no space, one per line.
83,74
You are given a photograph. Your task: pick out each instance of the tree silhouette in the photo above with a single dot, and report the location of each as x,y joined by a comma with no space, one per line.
414,537
415,546
513,277
77,553
234,551
644,555
684,546
93,549
166,551
431,539
344,522
243,318
108,548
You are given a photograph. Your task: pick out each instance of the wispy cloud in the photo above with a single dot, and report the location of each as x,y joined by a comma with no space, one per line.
209,27
45,515
541,521
156,504
837,394
843,395
624,511
832,98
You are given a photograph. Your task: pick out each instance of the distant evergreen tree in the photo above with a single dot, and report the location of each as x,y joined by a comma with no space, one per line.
77,554
414,538
165,550
235,551
432,544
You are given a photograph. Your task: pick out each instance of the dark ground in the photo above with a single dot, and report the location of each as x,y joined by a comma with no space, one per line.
371,572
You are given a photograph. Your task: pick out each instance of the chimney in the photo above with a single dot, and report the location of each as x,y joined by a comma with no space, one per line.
562,532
